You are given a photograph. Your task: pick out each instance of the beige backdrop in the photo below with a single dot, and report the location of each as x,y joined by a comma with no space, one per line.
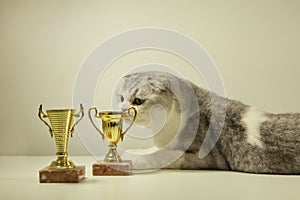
255,45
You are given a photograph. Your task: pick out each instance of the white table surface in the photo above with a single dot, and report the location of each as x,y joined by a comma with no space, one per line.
19,180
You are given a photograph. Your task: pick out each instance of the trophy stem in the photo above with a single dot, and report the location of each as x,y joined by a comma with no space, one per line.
112,155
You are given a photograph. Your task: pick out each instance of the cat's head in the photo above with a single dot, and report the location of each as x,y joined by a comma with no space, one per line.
144,90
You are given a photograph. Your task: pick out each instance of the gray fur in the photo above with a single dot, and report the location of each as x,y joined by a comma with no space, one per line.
275,150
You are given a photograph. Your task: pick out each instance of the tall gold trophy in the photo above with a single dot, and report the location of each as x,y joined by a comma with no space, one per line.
61,170
112,126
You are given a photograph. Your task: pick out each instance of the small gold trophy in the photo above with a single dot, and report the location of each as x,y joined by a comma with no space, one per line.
61,170
112,126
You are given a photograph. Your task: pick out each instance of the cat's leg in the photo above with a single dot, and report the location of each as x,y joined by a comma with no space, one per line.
173,159
155,158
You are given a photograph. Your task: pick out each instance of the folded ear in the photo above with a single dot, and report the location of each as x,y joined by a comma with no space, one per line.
160,86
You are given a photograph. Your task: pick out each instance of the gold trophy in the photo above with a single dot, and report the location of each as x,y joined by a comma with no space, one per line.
61,170
112,126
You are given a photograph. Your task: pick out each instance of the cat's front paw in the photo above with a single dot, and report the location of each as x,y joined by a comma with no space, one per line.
139,160
140,165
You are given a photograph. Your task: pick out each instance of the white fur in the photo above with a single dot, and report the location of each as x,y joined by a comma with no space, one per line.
170,129
253,119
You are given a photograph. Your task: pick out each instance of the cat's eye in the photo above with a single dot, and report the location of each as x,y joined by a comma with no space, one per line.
122,98
138,101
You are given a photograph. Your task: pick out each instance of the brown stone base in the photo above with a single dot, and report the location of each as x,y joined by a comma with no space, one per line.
62,175
123,168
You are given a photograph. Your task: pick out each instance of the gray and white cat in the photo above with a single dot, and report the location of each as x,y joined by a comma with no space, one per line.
250,140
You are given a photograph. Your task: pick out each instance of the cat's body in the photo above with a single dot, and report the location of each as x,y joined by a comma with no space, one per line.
250,140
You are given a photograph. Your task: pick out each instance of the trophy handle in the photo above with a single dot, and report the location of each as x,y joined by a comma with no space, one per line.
132,121
77,115
92,121
42,115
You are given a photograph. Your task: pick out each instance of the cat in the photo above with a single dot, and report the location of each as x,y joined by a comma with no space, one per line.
250,140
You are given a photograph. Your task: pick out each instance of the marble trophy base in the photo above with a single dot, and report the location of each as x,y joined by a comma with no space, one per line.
62,175
123,168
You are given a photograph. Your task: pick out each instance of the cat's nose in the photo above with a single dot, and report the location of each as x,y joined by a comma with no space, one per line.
124,109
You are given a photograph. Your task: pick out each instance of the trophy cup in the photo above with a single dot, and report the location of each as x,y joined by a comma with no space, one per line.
61,170
112,126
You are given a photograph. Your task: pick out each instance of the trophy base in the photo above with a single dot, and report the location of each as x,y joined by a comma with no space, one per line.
123,168
75,175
